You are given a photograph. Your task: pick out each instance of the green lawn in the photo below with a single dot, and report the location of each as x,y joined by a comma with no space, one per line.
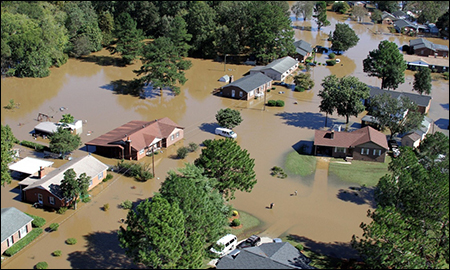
359,172
302,165
248,222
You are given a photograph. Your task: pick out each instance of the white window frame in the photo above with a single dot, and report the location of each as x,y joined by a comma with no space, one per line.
141,151
178,134
379,152
340,150
99,176
172,137
91,182
366,150
23,231
10,241
51,200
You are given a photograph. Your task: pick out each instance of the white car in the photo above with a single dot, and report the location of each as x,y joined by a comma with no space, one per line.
226,132
338,60
228,244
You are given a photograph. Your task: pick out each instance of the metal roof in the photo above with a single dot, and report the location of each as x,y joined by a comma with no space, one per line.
250,82
12,221
30,165
282,65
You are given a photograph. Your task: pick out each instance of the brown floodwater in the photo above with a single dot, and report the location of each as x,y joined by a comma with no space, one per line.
319,216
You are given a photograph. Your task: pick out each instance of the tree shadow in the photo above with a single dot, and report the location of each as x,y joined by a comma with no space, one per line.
358,195
209,127
103,60
336,249
442,123
304,119
103,252
445,106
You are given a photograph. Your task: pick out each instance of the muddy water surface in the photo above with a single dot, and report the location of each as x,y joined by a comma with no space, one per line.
317,216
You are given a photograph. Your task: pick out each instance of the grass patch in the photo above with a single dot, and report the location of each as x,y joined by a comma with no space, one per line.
302,165
360,172
248,222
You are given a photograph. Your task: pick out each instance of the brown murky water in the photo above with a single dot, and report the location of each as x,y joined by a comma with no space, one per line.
318,216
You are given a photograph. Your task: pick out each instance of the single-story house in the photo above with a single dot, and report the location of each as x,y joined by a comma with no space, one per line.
387,18
413,139
423,47
135,139
45,189
248,87
366,144
302,50
400,15
422,101
278,69
265,256
47,128
437,64
15,226
405,26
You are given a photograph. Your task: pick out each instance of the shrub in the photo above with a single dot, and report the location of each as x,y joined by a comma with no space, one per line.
332,55
38,221
299,89
108,177
62,210
106,207
182,152
42,265
57,253
23,242
331,62
36,146
86,199
271,103
445,74
54,226
126,204
299,247
235,222
279,103
273,88
139,171
71,241
235,213
192,147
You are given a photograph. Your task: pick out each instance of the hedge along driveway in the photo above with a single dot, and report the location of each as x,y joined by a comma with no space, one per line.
24,241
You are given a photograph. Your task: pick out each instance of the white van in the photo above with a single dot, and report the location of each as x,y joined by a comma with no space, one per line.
226,132
229,243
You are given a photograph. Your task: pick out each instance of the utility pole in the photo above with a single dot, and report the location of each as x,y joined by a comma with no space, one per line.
225,63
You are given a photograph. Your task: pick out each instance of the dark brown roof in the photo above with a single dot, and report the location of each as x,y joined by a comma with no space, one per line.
350,139
141,133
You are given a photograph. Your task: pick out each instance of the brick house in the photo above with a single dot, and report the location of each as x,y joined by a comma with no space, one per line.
15,226
248,87
45,189
135,139
365,144
423,47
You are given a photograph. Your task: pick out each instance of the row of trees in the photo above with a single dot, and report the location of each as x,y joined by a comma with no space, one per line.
410,225
178,225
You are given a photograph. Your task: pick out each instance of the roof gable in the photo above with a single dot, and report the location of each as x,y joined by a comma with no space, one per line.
302,47
12,220
250,82
282,65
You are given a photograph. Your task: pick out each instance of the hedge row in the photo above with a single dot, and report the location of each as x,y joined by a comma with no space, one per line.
36,146
278,103
23,242
38,221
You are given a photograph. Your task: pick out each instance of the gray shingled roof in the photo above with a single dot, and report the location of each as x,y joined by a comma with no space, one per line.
266,256
423,43
282,65
12,220
404,23
302,47
87,164
421,100
250,82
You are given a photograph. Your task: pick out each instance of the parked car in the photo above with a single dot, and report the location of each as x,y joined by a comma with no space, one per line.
226,132
338,60
277,240
252,241
228,244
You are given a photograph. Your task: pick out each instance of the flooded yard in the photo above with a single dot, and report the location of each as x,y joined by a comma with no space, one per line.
318,216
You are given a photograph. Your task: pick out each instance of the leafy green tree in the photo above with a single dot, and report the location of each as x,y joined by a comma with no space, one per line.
162,65
341,7
67,118
303,8
179,35
106,25
343,38
303,80
345,94
386,63
232,166
320,11
442,24
433,150
201,24
8,141
271,35
422,81
228,118
389,6
376,16
359,12
399,116
154,233
129,39
430,11
62,141
72,187
409,228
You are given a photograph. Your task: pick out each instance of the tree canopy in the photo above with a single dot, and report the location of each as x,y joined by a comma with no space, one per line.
303,8
72,187
7,143
399,116
62,141
386,63
422,81
228,118
442,24
343,38
230,165
320,10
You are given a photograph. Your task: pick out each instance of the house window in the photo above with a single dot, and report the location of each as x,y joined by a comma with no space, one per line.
339,150
99,176
172,137
91,182
51,200
178,134
23,231
10,241
241,94
364,151
142,151
376,152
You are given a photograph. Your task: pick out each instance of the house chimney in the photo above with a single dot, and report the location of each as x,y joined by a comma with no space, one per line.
129,147
332,134
41,172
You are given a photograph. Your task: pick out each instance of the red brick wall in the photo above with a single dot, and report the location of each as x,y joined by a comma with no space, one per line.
226,92
31,195
15,238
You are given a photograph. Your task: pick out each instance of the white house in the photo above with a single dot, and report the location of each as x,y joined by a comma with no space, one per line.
278,69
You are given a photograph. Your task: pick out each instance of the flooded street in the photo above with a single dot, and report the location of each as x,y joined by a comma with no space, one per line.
317,216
